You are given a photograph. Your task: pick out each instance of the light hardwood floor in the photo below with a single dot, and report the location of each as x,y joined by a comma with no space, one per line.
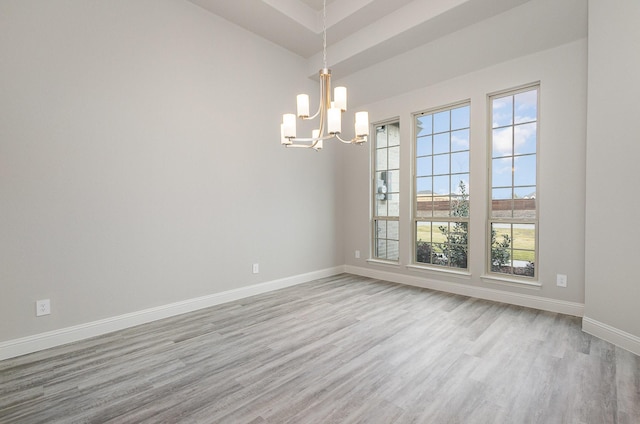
342,349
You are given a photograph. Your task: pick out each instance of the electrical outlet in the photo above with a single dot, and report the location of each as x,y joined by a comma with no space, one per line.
256,268
561,280
357,254
43,307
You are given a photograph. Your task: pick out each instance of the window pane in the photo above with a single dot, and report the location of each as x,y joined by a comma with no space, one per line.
392,230
423,147
524,208
394,157
381,136
423,166
524,236
500,247
523,263
423,185
392,250
444,242
381,208
441,122
424,205
457,255
381,229
524,170
459,162
525,192
382,187
460,118
460,140
502,142
381,251
393,204
521,257
386,191
526,105
441,143
513,194
501,193
393,181
440,164
459,206
382,178
502,111
501,172
441,185
501,203
441,205
381,159
423,231
459,183
424,125
525,138
393,135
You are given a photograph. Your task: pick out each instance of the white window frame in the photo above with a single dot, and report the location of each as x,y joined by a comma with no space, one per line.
446,264
512,221
385,190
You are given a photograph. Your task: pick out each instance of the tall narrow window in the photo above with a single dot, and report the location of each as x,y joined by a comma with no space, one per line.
386,191
441,200
513,219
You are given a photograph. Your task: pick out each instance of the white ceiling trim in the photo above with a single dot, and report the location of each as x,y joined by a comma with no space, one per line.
299,12
362,33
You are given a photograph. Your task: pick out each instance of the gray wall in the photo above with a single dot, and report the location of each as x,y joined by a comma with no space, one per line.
613,149
140,162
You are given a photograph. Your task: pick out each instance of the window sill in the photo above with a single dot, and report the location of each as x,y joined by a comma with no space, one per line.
393,264
511,282
450,272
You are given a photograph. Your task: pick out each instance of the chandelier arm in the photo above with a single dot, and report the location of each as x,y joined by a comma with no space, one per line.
345,141
326,137
307,118
325,98
301,146
354,140
322,99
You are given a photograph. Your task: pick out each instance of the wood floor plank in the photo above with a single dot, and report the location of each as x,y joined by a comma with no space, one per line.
342,349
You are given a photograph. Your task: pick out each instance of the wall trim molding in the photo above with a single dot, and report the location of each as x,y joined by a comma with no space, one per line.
37,342
527,300
611,334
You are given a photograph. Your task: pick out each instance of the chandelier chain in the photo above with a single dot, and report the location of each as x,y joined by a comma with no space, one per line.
324,33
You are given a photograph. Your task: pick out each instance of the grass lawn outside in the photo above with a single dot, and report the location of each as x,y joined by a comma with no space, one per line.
523,240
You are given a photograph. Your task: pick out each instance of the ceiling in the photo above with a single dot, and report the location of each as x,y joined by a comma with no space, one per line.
359,32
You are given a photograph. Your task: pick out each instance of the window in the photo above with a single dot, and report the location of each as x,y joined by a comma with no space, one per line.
386,191
512,216
441,200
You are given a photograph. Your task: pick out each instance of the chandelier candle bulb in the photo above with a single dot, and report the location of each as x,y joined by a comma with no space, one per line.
362,124
303,106
289,125
340,98
334,118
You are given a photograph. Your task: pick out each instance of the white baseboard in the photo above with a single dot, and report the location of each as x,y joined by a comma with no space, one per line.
527,300
612,335
30,344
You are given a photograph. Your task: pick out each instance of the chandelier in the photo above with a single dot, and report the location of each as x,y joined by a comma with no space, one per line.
329,112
